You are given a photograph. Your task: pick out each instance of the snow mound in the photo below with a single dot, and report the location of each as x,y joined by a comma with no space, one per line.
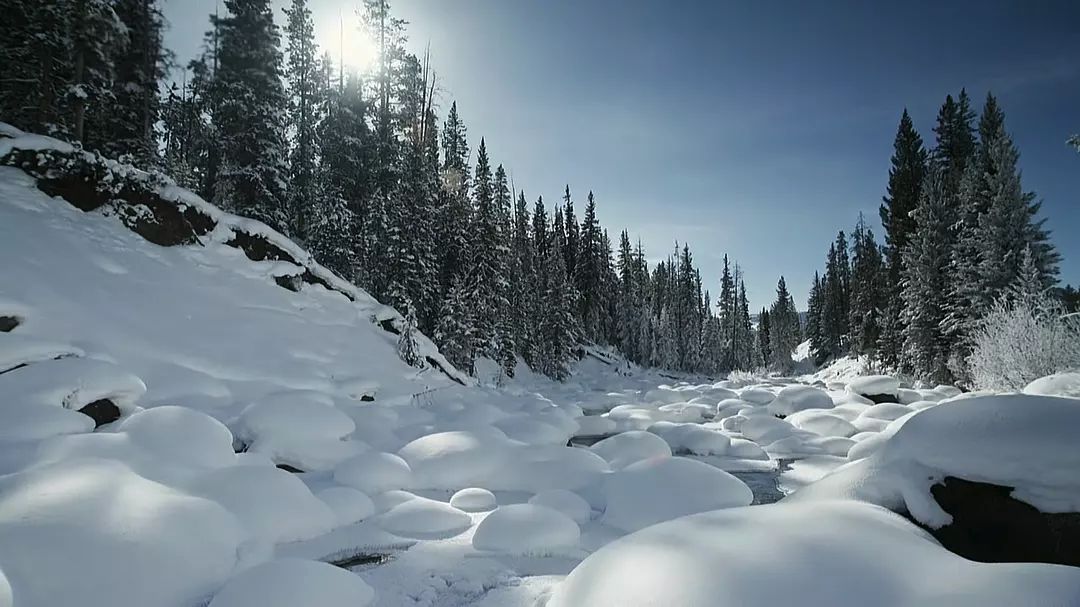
757,396
273,505
294,582
94,533
296,418
423,518
347,504
1058,384
1016,440
886,411
528,430
17,350
792,399
624,449
780,554
528,529
567,502
29,422
594,425
72,383
474,499
652,491
691,438
374,473
872,385
181,435
764,429
453,460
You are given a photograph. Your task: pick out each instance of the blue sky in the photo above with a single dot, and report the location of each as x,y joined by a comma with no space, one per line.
756,129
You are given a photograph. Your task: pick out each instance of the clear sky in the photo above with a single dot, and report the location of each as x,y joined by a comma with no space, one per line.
756,129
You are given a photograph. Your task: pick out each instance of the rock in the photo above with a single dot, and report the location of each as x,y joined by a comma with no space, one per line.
288,468
102,411
7,323
990,526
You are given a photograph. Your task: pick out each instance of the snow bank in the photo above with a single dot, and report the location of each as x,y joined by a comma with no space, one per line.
374,473
474,499
95,534
657,490
1022,441
294,582
16,350
28,422
811,555
624,449
528,529
72,383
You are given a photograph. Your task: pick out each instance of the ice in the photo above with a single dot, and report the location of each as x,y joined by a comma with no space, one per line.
528,529
273,505
423,518
295,582
474,499
869,385
347,504
181,436
628,448
1058,384
795,398
93,533
657,490
566,502
691,438
812,555
374,473
1022,441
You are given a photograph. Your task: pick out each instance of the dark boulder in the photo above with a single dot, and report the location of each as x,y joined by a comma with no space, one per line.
7,323
288,468
990,526
102,411
877,399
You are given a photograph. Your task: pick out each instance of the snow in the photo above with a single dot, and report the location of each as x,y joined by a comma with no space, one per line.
273,505
293,582
869,385
757,396
293,416
691,438
813,555
72,383
453,460
16,350
566,502
886,411
821,422
94,533
422,518
474,499
347,504
529,529
1022,441
374,473
624,449
1058,384
29,422
652,491
795,398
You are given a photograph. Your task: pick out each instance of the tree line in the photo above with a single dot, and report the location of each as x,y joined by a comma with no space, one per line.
358,167
961,233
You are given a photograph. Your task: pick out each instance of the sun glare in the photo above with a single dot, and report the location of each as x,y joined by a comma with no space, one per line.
343,36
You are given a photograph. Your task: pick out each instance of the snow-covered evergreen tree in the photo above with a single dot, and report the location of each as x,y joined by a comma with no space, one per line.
454,332
305,89
867,291
783,328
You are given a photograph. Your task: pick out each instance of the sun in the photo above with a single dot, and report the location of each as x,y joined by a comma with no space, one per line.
341,34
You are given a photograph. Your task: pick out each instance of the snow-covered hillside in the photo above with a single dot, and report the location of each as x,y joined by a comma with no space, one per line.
265,428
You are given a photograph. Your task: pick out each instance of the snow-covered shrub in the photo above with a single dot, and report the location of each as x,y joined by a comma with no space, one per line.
1023,340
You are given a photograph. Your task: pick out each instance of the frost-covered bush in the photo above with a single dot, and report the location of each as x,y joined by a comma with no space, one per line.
1023,340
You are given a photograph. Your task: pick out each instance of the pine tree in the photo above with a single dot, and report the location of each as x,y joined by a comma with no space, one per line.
454,331
96,32
764,335
783,328
488,256
407,348
456,213
249,115
573,239
302,74
902,195
36,69
556,327
815,321
867,292
522,272
726,308
589,271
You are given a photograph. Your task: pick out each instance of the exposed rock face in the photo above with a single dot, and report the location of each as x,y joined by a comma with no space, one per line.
991,527
102,411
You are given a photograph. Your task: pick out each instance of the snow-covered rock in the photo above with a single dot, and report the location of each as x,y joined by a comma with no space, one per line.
24,422
347,504
812,555
886,411
454,460
474,499
530,529
569,503
374,473
795,398
594,425
628,448
691,438
874,385
422,518
93,533
181,435
273,505
295,415
757,396
294,582
17,350
72,383
1058,384
657,490
822,422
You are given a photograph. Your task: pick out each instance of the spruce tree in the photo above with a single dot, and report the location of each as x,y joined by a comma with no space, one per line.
249,115
867,292
764,335
589,271
488,256
305,90
36,69
454,330
783,328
